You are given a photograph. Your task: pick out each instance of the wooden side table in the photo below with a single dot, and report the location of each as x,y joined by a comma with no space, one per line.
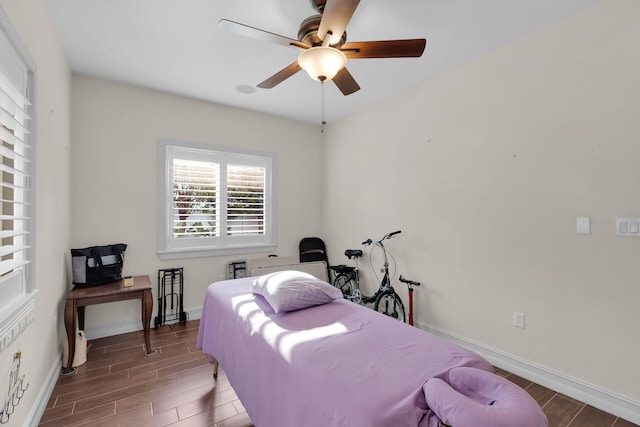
80,297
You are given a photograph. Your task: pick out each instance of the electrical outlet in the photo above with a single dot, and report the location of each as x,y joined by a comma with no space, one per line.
518,319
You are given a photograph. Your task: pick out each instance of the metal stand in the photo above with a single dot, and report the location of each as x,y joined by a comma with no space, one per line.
236,269
170,295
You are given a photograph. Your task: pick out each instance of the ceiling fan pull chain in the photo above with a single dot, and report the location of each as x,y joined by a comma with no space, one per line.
323,121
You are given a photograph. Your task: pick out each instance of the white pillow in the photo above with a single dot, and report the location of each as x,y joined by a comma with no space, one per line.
294,290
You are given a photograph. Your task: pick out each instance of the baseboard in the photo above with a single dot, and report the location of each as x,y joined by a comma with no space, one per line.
37,410
595,396
93,332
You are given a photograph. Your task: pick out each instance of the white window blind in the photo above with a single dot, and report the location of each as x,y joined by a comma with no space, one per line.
213,200
15,178
245,200
17,278
195,191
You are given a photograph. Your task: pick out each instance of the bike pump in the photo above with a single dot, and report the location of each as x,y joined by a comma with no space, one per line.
410,305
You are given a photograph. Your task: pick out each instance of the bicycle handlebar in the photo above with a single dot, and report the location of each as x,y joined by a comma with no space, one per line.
393,234
386,236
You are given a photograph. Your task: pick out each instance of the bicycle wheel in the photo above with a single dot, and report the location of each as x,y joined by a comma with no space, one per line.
390,304
344,283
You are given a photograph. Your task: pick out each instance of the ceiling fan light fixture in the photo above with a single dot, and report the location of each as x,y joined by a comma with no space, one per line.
322,63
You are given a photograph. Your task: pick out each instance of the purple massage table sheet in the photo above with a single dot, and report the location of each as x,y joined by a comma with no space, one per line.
338,364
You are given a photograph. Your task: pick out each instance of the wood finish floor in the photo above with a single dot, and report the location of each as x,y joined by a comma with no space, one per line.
121,386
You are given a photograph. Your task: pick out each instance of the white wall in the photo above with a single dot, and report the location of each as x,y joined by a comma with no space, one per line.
40,342
485,169
496,159
115,133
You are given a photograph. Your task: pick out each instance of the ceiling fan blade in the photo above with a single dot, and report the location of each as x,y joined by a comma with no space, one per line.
335,17
257,33
345,82
280,76
411,48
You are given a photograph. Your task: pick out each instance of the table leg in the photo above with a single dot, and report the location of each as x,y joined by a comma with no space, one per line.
69,324
81,318
147,308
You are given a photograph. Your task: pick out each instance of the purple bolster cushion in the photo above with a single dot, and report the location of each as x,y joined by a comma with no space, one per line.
477,398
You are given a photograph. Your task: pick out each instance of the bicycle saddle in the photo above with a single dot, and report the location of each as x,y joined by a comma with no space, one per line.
353,253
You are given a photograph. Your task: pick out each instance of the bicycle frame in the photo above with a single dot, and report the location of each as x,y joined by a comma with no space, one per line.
385,283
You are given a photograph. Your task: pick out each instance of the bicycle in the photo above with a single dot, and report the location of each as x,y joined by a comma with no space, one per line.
385,300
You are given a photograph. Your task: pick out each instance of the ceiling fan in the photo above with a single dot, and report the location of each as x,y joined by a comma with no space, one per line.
325,48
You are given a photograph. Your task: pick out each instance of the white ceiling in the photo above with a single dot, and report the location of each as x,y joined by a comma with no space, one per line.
175,45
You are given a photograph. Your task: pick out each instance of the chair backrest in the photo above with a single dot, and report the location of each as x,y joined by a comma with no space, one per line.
313,249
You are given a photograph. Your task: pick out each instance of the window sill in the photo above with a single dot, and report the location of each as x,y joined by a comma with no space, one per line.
14,318
208,252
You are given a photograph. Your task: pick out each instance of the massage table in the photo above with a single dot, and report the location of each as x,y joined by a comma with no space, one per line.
340,364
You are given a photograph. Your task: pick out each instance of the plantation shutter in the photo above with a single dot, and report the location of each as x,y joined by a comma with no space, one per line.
195,195
14,166
245,200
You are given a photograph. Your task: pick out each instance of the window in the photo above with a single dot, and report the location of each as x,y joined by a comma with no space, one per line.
213,201
17,284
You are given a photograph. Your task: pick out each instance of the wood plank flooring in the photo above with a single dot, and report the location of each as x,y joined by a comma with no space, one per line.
121,386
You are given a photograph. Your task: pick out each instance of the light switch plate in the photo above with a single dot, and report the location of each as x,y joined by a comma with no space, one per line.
628,227
583,226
